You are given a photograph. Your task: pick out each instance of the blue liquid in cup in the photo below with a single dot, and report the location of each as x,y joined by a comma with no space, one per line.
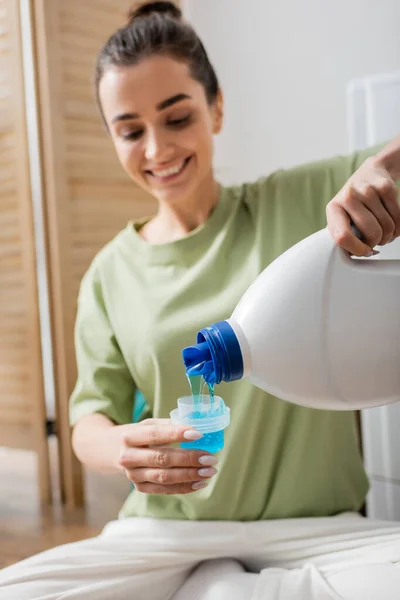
210,442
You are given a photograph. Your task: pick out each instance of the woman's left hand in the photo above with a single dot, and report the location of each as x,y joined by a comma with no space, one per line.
369,200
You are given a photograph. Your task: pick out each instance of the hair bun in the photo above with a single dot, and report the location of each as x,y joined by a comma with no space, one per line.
143,9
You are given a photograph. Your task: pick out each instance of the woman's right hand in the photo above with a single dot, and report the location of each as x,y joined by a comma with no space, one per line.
156,468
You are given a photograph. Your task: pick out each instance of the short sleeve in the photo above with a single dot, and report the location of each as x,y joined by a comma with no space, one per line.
313,185
104,384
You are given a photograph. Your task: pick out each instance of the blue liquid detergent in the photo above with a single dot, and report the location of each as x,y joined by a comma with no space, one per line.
196,383
211,392
210,442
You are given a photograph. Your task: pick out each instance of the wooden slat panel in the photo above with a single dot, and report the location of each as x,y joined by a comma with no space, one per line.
18,436
13,413
89,198
22,405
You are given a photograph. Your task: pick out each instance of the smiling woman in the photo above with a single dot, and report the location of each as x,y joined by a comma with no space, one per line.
162,133
161,102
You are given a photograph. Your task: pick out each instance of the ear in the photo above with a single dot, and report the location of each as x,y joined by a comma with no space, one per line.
218,113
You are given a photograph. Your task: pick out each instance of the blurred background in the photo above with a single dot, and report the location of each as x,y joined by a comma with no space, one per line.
302,81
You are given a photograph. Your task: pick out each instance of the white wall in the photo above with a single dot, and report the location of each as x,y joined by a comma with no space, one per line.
284,66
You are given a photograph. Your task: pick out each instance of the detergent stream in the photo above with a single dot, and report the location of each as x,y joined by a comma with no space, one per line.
197,384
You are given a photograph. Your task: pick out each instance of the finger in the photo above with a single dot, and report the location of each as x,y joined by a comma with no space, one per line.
170,476
339,226
389,195
369,195
165,457
153,421
353,200
178,488
367,224
157,434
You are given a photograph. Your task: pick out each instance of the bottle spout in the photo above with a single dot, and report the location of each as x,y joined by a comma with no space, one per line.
217,355
198,361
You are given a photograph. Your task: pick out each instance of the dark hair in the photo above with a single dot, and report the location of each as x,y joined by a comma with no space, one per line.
157,28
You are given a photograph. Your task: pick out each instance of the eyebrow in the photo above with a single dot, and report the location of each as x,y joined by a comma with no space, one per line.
160,106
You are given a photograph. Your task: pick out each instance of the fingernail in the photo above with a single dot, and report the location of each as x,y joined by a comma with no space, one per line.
199,485
375,252
208,460
369,253
192,434
207,472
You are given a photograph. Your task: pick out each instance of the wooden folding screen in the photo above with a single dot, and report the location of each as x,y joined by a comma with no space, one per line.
22,404
88,196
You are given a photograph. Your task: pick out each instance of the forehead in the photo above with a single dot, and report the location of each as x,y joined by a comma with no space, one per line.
141,87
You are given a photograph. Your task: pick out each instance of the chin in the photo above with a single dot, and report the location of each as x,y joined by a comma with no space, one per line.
174,196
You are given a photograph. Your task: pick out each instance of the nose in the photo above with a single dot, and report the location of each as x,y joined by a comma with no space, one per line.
156,147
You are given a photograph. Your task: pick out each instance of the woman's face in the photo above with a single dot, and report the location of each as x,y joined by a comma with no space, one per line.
161,125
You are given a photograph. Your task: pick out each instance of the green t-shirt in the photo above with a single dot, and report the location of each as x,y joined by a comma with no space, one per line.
140,304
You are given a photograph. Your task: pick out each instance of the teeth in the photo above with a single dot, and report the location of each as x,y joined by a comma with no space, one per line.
170,171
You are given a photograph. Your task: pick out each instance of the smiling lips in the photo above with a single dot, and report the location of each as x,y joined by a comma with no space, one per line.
171,172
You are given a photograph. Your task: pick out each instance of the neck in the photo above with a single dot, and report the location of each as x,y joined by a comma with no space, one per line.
175,221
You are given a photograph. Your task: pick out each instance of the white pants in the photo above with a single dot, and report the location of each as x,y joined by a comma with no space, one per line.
346,557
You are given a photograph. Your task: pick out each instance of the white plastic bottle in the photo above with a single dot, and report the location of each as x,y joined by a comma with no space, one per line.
316,328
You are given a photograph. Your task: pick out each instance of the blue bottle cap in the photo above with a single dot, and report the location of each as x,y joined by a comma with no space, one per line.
217,355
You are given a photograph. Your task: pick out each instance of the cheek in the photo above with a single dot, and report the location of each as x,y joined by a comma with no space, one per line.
206,150
202,142
128,156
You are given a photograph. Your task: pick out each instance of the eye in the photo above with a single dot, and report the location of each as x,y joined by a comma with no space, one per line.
132,135
179,122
